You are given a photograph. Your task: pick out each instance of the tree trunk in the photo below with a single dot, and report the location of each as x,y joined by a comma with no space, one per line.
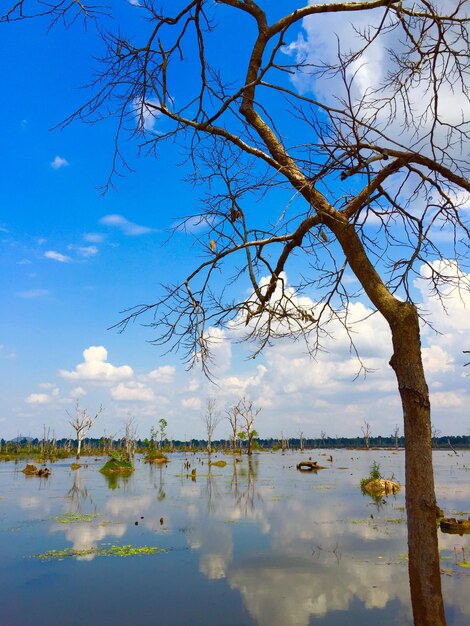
79,446
423,553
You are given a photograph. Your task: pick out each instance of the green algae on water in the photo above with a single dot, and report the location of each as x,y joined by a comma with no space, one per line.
74,518
126,550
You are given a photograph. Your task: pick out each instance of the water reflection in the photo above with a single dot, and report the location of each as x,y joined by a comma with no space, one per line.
78,523
116,481
78,493
302,571
255,540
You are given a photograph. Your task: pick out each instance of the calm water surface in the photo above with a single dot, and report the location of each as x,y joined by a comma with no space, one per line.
253,543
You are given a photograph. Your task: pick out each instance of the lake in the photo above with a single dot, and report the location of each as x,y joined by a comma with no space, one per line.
253,543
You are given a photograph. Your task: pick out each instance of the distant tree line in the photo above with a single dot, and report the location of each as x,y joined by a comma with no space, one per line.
106,444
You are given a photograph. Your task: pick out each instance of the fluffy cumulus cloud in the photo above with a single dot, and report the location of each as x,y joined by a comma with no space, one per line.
38,398
193,403
77,392
59,162
296,393
132,391
323,35
124,225
164,374
96,368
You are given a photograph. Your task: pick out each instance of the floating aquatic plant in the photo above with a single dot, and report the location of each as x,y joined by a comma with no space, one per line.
74,518
126,550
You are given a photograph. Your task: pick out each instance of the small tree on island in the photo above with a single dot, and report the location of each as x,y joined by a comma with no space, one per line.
82,423
247,412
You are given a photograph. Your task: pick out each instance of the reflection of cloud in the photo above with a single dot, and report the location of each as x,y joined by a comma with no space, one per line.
87,535
127,507
215,543
283,591
31,502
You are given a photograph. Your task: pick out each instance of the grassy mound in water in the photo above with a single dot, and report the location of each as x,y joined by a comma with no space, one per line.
116,465
156,456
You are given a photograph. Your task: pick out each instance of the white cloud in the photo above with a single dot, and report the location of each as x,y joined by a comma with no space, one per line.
193,403
95,368
93,237
436,359
164,374
193,385
31,294
59,162
77,392
296,393
57,256
132,391
38,398
124,225
146,114
87,251
446,399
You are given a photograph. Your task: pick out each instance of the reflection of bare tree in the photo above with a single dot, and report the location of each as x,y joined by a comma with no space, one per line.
78,493
212,492
160,485
244,492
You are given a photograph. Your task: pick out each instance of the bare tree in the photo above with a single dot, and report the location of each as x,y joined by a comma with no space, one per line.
395,433
435,434
63,11
301,441
371,177
366,433
211,419
130,436
82,423
232,416
247,412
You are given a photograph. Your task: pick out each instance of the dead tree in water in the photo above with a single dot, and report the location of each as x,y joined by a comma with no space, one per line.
82,423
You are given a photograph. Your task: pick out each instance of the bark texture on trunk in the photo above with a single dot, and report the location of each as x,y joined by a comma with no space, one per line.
403,320
423,553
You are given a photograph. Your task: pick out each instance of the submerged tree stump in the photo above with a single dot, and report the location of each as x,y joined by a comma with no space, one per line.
454,526
308,466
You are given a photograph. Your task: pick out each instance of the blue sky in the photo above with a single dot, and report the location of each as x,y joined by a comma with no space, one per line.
72,259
